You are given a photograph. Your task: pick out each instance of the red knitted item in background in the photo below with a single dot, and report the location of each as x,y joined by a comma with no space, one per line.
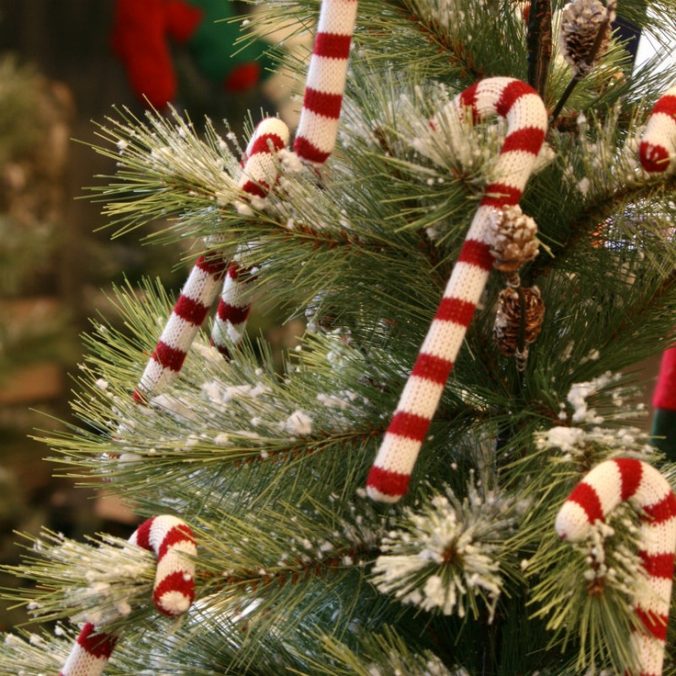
665,390
140,40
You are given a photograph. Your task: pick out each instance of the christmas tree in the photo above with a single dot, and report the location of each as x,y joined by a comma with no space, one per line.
499,203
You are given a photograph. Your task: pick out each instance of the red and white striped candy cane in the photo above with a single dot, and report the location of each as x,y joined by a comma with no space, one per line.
325,83
603,489
173,543
204,282
658,144
527,124
193,304
233,311
259,175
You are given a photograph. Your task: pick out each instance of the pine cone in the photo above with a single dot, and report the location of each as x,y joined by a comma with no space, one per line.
507,318
514,239
580,23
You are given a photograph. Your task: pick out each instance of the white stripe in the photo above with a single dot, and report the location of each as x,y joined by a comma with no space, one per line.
201,286
319,130
488,93
606,481
652,489
261,168
480,227
397,454
179,333
527,111
513,168
337,16
572,522
658,598
376,495
443,339
420,397
467,282
650,652
659,538
327,75
154,377
82,663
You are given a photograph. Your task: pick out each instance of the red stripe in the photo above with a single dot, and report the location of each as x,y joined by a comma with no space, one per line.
233,270
139,397
655,623
213,266
180,533
409,425
233,313
631,472
389,483
191,310
476,253
308,151
97,645
455,310
667,105
332,46
168,357
528,140
143,534
662,511
468,100
321,103
173,582
585,496
258,188
500,195
432,368
511,94
264,142
654,158
658,565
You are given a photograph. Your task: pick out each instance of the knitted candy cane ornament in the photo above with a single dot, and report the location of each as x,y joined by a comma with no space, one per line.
325,83
527,123
170,539
601,490
658,144
258,177
205,279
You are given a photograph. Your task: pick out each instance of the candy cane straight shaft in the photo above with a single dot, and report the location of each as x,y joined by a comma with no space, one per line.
527,123
258,176
173,544
658,144
325,83
603,489
207,276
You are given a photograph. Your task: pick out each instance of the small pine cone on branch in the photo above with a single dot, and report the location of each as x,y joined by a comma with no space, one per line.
580,25
514,239
507,326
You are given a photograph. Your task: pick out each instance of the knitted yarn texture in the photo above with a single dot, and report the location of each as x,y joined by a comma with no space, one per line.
259,173
527,123
658,143
173,543
603,489
325,83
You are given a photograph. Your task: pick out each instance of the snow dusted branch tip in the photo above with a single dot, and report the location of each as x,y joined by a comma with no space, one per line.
445,555
84,583
583,441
